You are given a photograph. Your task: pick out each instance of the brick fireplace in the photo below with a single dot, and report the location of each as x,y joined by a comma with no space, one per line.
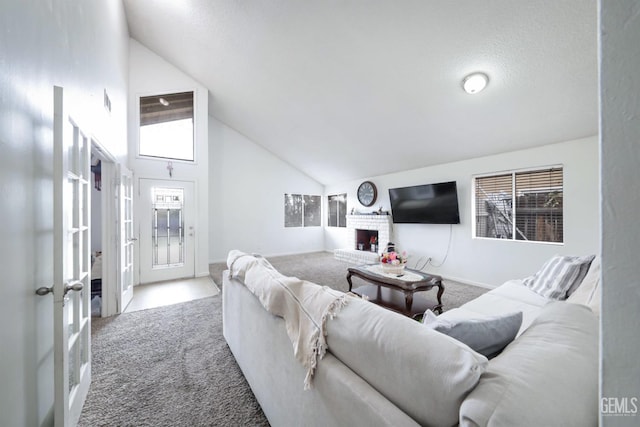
360,229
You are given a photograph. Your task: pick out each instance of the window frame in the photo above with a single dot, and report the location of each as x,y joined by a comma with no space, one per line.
195,126
513,173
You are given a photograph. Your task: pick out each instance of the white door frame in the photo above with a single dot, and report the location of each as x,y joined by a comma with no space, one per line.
108,227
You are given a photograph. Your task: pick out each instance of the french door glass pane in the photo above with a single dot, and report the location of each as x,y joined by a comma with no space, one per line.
73,360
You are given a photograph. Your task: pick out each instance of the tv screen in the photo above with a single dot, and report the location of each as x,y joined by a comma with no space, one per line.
425,204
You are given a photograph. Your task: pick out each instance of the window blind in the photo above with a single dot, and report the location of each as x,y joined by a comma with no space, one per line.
538,210
525,205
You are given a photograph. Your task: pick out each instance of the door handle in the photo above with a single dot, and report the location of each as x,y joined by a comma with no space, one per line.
42,291
133,239
75,285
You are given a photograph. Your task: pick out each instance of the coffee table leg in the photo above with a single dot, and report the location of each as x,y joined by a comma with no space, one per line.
440,292
349,280
408,300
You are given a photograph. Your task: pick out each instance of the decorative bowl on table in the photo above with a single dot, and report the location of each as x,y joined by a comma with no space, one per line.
392,268
393,262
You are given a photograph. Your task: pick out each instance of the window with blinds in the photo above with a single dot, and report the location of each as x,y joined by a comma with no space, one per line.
523,205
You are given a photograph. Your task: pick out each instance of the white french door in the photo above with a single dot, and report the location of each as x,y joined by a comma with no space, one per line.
72,264
167,235
126,238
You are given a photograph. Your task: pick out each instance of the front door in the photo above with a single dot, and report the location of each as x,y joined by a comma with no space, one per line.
167,232
72,265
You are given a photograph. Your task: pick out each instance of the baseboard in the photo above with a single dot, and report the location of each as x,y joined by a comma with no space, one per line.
277,254
469,282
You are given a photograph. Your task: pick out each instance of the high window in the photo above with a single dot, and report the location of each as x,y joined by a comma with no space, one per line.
302,210
337,210
524,205
166,126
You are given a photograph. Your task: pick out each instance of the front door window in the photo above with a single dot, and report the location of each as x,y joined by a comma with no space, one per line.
167,227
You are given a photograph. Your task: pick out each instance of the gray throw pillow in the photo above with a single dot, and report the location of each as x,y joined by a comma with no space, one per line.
486,336
559,276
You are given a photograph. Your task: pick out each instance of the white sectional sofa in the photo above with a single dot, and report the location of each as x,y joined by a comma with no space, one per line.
384,369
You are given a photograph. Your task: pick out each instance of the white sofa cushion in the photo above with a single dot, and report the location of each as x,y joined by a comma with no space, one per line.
512,296
423,372
559,276
548,376
588,293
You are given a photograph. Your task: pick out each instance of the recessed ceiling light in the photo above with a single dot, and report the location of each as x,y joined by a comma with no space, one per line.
163,102
475,82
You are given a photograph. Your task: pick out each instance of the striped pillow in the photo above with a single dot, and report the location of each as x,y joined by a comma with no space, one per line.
559,275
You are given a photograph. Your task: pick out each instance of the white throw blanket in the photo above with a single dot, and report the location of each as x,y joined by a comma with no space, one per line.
303,305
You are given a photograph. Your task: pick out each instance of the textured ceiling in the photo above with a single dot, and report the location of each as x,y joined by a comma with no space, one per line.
349,89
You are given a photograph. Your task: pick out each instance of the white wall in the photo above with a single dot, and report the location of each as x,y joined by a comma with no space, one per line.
151,75
620,151
484,261
246,200
81,45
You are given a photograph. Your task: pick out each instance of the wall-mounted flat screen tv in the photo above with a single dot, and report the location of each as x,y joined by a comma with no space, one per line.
425,204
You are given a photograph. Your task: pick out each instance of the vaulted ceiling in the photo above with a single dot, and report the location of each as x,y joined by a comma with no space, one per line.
349,89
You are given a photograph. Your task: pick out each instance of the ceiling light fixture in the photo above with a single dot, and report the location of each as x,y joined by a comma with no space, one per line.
475,82
163,102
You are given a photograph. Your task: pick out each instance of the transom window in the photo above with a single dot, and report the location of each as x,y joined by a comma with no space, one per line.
166,126
525,205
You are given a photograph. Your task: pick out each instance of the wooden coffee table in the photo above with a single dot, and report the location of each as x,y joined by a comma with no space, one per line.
396,291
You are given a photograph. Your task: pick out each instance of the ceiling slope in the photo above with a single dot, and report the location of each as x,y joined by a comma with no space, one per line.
349,89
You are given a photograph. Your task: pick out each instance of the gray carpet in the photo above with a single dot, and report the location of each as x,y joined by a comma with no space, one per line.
170,366
324,269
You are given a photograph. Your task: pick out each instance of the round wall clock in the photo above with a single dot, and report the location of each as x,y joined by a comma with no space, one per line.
367,193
